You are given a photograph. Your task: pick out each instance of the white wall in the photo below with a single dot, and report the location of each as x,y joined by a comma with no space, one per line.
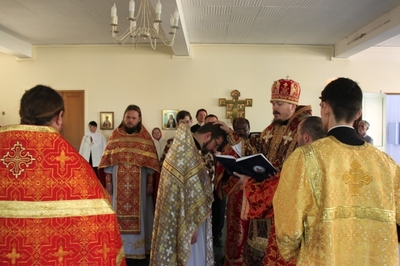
393,116
116,76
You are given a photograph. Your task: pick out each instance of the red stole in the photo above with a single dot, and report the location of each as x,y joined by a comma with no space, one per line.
130,152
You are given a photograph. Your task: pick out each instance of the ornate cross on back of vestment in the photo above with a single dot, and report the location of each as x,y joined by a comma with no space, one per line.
235,108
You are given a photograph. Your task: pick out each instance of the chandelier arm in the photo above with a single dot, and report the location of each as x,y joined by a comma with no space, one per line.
166,41
153,43
144,25
122,37
135,42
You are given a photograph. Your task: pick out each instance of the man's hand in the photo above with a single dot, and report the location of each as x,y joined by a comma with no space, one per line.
149,184
223,126
243,178
109,187
149,189
194,238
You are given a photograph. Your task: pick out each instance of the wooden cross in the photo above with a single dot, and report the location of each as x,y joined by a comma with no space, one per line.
235,108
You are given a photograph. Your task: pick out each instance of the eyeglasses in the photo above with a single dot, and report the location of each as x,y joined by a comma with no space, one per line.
216,143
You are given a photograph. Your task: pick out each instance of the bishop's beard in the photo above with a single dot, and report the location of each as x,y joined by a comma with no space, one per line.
279,122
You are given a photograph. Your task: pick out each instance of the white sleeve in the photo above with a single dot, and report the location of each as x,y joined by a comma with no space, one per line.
238,149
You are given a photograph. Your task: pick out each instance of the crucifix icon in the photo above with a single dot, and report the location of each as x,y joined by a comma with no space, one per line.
235,108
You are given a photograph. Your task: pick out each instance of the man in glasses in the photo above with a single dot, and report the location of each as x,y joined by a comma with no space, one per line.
182,224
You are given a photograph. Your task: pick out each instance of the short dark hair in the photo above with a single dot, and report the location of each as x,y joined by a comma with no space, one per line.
182,114
345,98
215,130
313,126
93,123
200,110
211,115
240,119
40,105
133,107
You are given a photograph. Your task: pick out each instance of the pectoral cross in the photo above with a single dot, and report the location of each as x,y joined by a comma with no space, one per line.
235,108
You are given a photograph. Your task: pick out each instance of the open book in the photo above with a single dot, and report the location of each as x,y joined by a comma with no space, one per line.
255,166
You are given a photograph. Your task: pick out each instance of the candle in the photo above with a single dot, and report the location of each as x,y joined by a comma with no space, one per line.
176,17
131,9
158,7
114,11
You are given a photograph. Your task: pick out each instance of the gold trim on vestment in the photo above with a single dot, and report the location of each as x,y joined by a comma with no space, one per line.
178,175
131,138
52,209
28,128
345,212
130,150
120,256
135,257
313,171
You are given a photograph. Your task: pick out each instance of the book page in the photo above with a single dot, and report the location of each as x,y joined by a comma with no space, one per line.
251,156
225,156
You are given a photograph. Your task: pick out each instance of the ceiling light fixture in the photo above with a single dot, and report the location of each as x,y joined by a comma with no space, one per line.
146,25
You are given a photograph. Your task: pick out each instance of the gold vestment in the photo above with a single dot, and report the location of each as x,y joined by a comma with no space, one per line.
338,204
183,203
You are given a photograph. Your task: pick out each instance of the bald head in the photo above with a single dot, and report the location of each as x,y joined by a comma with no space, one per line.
309,130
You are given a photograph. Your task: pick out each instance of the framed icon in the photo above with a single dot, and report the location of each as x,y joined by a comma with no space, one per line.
106,120
169,119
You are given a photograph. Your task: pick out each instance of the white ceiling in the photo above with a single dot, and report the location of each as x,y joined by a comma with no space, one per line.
349,25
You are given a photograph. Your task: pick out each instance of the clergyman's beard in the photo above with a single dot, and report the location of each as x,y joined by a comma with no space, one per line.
278,122
131,130
204,150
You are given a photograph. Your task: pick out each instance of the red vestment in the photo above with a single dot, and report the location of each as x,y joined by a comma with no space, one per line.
54,211
277,142
130,152
236,228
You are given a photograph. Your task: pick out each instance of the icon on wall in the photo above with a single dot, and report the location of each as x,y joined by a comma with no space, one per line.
169,119
106,120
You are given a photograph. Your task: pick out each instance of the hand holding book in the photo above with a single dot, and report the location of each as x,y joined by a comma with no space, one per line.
255,166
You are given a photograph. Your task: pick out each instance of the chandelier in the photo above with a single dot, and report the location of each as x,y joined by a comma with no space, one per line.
146,25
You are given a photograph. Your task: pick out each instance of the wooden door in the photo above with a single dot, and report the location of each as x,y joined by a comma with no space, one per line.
74,117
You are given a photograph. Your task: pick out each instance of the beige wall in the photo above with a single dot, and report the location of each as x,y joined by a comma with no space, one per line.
115,76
